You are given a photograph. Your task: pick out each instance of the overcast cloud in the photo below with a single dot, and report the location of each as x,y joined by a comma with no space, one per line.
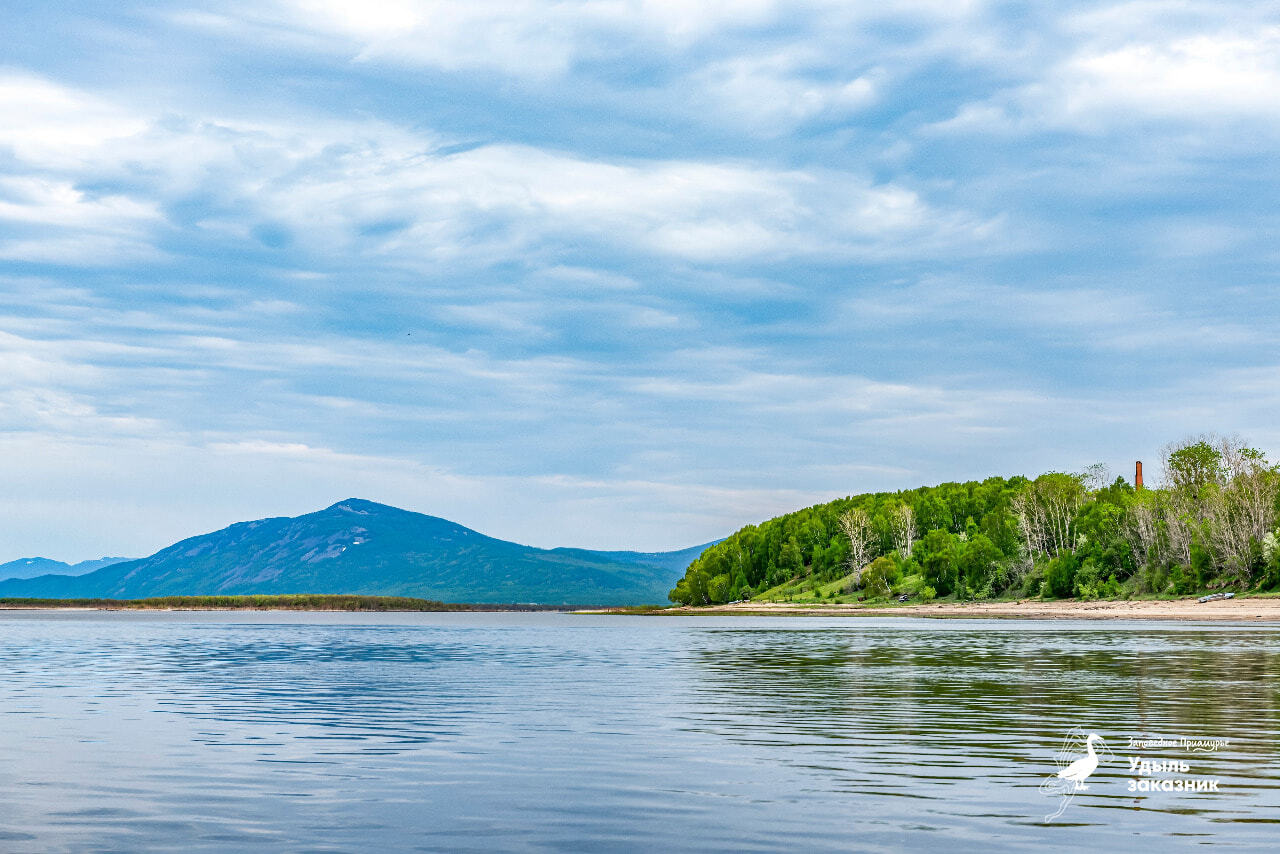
623,274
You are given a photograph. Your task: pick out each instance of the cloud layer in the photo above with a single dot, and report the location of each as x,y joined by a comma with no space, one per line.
620,274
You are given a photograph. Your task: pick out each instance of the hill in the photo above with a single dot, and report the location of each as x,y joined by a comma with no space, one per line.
361,547
31,567
1213,526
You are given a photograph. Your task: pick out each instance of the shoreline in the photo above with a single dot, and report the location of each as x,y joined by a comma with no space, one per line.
1239,609
338,603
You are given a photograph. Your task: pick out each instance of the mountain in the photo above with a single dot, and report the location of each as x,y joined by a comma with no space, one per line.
31,567
677,561
359,546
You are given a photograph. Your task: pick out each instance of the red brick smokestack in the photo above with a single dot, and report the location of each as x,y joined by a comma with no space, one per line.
1137,476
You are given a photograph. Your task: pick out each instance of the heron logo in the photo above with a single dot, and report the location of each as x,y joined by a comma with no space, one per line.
1076,760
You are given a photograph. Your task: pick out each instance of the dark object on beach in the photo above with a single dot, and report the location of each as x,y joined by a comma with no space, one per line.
904,597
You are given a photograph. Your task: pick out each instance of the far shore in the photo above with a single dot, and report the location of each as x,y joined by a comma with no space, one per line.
296,602
1239,609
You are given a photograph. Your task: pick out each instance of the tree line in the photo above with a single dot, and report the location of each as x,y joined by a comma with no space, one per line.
1211,524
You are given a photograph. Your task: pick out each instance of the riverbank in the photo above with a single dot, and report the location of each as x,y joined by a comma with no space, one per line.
1241,608
300,602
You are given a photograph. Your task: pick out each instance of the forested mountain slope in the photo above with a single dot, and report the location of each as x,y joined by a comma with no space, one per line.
1211,525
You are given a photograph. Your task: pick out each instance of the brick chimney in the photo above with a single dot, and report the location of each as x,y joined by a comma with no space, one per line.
1137,476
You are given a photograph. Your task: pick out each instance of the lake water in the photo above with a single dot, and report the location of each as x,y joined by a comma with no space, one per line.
555,732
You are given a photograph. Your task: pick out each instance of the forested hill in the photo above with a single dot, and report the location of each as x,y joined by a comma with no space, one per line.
1211,526
362,547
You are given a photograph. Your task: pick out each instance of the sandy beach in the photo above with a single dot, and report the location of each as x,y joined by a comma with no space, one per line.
1240,609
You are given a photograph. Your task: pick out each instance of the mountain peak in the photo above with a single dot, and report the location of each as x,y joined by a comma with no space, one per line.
360,506
361,546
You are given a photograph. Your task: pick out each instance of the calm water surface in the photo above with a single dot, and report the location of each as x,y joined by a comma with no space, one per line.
553,732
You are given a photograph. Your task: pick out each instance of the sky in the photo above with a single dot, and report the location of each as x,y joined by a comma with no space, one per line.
620,273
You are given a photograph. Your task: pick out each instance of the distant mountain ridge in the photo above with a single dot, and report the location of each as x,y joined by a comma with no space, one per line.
31,567
359,546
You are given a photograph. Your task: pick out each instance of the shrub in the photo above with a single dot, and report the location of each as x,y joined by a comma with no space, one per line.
1060,575
1087,585
880,576
1033,582
1155,579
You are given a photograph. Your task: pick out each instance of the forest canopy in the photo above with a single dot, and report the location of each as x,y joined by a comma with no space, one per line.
1211,524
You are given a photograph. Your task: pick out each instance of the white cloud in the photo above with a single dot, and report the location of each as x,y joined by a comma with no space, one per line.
1130,63
525,38
53,221
344,190
51,124
1198,77
773,94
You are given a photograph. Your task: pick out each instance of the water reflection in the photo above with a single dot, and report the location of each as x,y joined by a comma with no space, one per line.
968,717
555,732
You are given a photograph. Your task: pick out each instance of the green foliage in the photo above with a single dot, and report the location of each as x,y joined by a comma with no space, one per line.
1182,581
1156,579
1061,535
979,565
1196,466
937,554
1060,575
880,576
1087,583
1198,574
1033,582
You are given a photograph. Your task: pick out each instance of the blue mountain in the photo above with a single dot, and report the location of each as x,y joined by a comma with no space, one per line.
30,567
362,547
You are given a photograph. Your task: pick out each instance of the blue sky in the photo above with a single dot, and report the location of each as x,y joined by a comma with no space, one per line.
624,273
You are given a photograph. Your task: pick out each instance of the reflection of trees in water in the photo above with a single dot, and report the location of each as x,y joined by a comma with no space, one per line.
985,692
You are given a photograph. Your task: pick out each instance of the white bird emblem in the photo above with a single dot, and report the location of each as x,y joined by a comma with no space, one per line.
1073,769
1077,772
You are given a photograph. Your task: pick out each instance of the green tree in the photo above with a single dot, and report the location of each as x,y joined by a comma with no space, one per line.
879,576
1060,575
791,559
1194,467
937,556
979,563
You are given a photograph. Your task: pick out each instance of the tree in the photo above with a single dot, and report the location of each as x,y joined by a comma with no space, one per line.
1193,466
1046,510
719,588
1241,512
791,559
880,576
856,525
978,563
1060,575
903,524
1142,525
938,560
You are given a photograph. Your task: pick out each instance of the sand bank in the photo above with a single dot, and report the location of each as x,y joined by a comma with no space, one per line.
1243,609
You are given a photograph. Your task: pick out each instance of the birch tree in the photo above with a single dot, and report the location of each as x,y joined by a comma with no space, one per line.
1046,509
856,525
1143,524
904,529
1239,514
